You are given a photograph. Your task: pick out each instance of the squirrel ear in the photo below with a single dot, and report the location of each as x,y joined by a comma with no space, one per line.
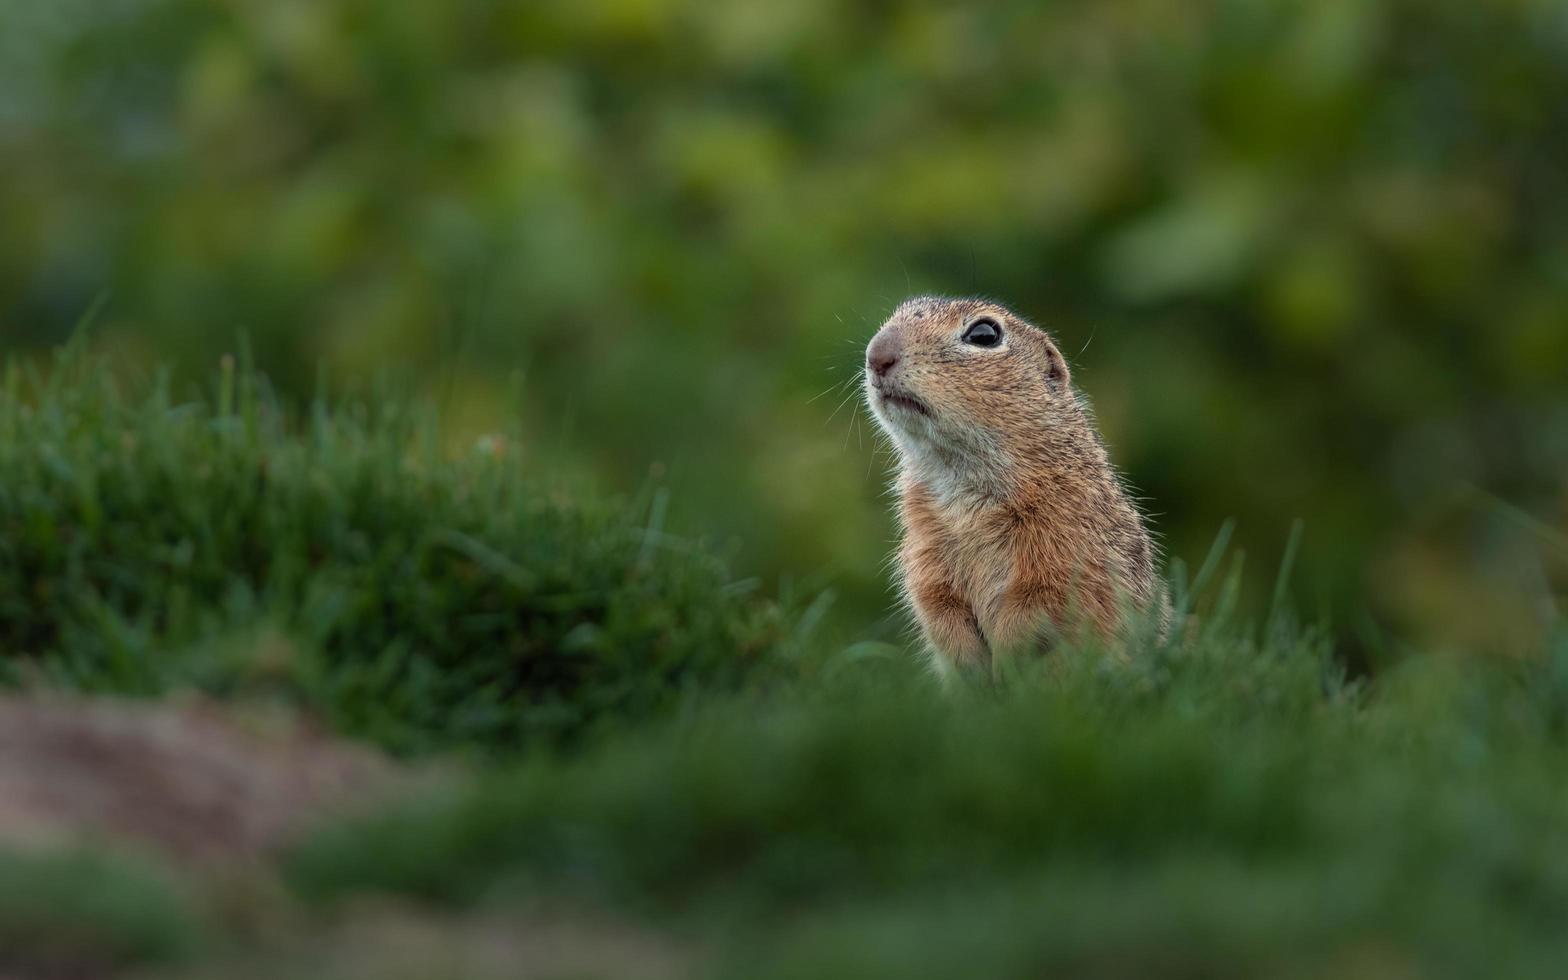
1055,367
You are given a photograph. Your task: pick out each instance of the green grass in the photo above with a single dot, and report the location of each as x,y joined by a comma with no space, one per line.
1224,804
423,599
72,913
1228,810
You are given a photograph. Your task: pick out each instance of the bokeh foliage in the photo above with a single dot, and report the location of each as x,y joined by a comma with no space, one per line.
1309,256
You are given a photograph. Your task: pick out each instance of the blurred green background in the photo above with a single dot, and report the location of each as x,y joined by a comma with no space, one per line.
1308,257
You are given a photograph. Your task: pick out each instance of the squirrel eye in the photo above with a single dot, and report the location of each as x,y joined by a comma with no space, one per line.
984,332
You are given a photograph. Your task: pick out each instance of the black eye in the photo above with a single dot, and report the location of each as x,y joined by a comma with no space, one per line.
984,332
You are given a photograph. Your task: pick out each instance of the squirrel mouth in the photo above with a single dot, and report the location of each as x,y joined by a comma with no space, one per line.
907,402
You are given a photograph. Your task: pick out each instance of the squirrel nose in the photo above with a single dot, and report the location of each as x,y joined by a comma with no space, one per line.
882,354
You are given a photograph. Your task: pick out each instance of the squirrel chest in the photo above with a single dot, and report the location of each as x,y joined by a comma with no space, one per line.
969,547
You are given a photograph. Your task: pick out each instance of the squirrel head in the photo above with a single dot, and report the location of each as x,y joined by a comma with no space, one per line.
969,392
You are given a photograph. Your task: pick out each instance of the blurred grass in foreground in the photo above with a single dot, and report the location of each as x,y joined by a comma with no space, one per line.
67,913
1224,808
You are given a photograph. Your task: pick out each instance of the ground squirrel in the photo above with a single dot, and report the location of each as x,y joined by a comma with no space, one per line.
1016,529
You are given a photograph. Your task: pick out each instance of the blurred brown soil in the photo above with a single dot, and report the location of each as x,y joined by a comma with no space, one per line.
195,781
214,787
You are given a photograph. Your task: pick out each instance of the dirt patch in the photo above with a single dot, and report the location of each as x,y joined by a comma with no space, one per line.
197,781
217,788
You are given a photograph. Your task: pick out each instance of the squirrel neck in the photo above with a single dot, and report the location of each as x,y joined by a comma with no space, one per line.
1057,461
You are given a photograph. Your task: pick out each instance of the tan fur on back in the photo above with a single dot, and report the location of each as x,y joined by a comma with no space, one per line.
1016,529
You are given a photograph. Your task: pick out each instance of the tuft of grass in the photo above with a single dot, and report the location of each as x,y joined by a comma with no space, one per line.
76,913
413,596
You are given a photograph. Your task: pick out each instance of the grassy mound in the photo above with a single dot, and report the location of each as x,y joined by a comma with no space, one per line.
344,559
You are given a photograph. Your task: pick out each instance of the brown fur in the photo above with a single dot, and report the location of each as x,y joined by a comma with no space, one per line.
1016,527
